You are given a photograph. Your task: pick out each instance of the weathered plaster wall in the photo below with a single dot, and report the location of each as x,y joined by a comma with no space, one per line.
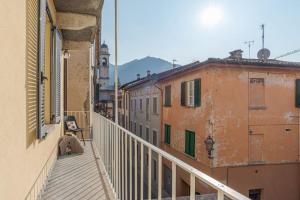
78,80
225,114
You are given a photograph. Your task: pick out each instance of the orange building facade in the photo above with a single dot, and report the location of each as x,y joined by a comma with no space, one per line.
247,110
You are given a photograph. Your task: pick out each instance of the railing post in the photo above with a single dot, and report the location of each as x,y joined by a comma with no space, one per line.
192,186
130,168
142,172
159,176
173,180
220,195
149,172
135,169
126,165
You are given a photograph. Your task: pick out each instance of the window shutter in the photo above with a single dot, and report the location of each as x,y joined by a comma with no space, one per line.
56,78
41,113
32,21
183,93
192,144
297,95
187,142
197,92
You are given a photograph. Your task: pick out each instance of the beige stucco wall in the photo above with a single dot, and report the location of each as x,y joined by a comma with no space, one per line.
78,80
21,156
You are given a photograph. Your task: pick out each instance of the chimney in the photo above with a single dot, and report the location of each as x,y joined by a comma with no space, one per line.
236,54
148,73
138,76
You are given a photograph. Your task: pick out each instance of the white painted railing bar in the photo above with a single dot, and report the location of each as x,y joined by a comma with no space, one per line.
192,186
159,177
130,167
173,181
149,172
135,170
194,173
142,172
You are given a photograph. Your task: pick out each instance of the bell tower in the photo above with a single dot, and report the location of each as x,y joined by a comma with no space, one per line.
104,66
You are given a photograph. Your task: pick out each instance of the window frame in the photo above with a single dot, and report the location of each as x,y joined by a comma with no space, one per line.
167,132
190,150
168,96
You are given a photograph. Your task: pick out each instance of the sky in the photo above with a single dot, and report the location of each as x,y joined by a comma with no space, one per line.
190,30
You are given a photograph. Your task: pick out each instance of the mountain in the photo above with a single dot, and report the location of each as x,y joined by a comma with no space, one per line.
128,71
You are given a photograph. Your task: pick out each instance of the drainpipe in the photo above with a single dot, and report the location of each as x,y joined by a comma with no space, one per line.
161,113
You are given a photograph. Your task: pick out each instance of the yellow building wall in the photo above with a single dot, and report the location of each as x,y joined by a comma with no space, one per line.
22,156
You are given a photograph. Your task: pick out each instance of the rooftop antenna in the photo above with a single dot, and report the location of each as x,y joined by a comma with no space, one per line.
174,60
249,43
263,35
263,54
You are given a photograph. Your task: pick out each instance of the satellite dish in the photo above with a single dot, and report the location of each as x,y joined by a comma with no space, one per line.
263,54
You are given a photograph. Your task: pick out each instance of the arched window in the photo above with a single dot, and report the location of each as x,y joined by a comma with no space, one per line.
104,62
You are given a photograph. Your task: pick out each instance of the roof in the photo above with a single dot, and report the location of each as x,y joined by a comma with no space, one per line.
155,77
104,46
270,63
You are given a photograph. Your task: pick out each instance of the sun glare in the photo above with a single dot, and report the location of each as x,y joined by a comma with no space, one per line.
211,15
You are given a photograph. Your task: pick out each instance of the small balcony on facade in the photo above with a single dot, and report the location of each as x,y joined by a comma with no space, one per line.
114,166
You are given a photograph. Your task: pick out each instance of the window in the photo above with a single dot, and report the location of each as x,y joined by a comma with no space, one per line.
141,130
49,68
255,194
147,134
297,96
167,134
155,105
154,169
135,127
126,101
191,93
154,138
168,96
190,143
141,104
257,93
135,107
147,108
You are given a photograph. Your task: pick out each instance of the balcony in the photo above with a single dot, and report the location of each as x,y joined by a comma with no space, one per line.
111,168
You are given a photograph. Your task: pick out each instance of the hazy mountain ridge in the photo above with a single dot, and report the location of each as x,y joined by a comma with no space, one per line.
128,71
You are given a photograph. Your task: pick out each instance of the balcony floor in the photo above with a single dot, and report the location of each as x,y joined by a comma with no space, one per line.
76,177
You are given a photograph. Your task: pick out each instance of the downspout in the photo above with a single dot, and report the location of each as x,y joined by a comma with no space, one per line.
161,113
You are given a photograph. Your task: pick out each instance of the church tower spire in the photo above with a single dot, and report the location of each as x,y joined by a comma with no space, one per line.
104,66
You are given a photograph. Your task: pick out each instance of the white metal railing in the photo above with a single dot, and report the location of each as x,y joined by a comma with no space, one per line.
121,162
83,121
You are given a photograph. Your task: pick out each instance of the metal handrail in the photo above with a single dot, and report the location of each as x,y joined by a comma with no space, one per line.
222,189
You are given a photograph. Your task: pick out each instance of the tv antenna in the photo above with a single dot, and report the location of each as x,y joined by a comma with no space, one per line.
263,35
263,54
174,60
249,43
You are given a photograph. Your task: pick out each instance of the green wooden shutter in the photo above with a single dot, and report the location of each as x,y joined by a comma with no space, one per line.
197,92
167,134
183,93
192,144
187,142
41,113
297,95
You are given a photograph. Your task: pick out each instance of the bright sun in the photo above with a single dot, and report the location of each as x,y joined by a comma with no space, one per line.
211,15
